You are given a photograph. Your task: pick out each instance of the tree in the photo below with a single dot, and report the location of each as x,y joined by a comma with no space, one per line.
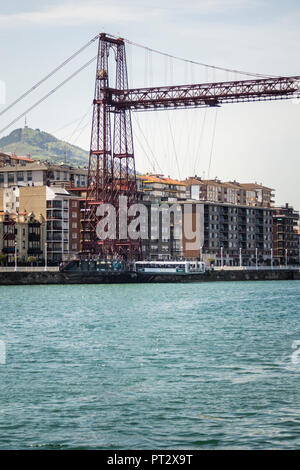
31,259
3,259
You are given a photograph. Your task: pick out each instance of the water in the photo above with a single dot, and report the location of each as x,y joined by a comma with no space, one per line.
190,366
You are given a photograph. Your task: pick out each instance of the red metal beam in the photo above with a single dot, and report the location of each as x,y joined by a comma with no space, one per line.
204,95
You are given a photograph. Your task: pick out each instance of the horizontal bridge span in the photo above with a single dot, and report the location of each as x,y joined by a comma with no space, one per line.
205,94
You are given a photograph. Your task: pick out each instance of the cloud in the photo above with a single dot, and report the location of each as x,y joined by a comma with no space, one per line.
73,13
219,6
70,14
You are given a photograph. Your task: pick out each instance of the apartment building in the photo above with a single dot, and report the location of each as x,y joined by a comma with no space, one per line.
159,188
40,173
42,188
58,223
246,194
237,232
55,205
10,159
22,235
217,233
164,240
286,238
74,226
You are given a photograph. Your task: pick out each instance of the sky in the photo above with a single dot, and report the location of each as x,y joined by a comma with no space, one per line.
251,142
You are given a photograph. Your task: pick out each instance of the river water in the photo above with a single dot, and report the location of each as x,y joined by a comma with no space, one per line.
153,366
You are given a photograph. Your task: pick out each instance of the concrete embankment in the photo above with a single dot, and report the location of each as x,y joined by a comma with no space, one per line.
47,278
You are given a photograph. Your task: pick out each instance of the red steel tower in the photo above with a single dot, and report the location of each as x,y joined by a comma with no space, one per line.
111,171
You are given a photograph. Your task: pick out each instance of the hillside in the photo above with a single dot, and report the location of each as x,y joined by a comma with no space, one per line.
43,146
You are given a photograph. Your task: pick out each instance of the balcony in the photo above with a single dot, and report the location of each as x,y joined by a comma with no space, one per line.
54,237
34,251
34,237
8,249
54,216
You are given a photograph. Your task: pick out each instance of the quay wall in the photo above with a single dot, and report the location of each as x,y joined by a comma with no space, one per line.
50,277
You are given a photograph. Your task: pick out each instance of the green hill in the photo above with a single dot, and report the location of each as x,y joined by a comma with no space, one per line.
43,146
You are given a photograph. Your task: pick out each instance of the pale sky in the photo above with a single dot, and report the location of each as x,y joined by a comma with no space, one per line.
253,142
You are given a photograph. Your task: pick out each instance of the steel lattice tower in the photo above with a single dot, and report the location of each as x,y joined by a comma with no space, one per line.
111,171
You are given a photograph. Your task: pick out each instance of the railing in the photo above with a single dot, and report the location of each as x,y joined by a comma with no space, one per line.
258,268
7,269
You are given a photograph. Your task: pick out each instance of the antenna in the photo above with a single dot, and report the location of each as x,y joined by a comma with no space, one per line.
25,126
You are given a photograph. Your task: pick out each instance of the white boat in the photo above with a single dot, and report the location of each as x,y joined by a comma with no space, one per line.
170,267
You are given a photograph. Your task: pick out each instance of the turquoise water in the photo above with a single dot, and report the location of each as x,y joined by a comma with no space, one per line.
189,366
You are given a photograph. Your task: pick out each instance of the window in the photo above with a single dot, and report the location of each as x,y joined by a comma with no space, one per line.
74,235
1,177
20,176
11,177
74,203
74,224
74,215
74,246
29,175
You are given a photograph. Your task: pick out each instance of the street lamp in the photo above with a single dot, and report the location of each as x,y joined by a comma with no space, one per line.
286,257
240,257
46,256
256,257
221,256
271,258
16,267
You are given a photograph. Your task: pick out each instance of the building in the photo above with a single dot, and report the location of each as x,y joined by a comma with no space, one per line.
74,225
42,188
231,235
58,223
164,241
23,235
56,206
286,240
235,220
40,173
7,159
245,194
159,188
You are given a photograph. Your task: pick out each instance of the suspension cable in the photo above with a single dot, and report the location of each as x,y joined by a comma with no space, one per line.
197,159
214,67
34,87
49,94
212,144
174,147
77,127
147,143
